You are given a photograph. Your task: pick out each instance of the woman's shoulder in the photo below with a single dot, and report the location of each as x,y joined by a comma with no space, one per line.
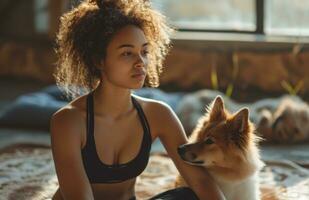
155,108
67,124
159,115
76,106
71,114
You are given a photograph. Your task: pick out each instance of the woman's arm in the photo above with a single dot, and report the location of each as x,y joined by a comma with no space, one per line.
66,148
171,134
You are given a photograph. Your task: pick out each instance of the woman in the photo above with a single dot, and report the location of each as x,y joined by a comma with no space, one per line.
101,140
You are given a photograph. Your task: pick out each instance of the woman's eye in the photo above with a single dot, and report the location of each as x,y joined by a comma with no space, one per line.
145,52
209,141
126,53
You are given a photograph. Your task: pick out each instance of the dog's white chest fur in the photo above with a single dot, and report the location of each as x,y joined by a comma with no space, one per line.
245,190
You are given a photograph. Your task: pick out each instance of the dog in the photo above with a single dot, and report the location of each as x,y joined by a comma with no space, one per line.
226,146
288,123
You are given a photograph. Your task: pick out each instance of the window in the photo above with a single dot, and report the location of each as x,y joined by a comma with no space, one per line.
286,17
41,16
273,17
209,14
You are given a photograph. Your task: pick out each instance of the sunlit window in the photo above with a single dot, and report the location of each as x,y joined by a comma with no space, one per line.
41,16
286,17
209,14
280,17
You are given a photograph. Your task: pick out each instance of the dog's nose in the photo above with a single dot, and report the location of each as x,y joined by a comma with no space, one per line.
181,150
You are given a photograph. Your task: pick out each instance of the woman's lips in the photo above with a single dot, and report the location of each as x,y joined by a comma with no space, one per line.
140,75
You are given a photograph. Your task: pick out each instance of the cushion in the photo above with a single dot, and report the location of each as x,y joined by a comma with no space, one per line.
34,110
30,111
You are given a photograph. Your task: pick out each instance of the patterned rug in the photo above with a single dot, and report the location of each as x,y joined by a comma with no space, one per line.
27,172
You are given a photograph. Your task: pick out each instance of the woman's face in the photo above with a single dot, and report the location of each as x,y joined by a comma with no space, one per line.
125,64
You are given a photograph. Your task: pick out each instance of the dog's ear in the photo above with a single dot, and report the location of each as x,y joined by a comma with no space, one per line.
240,126
241,120
216,110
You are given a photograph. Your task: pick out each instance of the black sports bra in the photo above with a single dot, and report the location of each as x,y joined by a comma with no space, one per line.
96,170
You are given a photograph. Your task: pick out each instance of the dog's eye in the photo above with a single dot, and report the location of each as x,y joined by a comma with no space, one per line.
209,141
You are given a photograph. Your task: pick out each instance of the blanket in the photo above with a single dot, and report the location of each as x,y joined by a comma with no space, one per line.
27,172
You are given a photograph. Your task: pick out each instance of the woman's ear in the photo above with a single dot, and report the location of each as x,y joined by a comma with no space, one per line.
98,63
98,66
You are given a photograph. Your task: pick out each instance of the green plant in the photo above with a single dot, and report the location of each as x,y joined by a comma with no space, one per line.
292,90
214,76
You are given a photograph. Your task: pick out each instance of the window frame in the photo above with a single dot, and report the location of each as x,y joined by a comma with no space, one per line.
259,22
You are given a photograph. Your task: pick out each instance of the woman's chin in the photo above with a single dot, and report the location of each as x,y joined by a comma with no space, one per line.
137,84
135,87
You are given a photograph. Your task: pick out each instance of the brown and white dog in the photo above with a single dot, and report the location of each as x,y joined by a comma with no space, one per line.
226,145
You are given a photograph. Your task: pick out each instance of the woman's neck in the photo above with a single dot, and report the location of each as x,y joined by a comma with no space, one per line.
112,101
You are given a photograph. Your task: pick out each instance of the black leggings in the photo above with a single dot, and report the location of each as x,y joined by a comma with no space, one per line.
181,193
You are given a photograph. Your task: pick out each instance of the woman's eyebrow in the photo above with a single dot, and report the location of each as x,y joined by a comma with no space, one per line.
130,45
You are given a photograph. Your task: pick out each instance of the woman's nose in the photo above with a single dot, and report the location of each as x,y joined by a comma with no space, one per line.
141,62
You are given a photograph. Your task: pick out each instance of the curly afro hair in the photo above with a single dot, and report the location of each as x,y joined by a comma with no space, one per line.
95,22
